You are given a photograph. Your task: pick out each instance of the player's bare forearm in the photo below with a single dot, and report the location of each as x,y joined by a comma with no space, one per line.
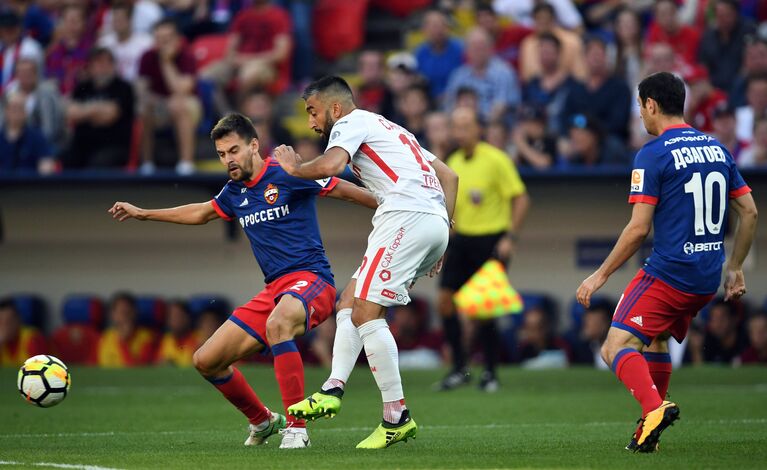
448,179
520,206
745,207
190,214
353,193
630,239
331,163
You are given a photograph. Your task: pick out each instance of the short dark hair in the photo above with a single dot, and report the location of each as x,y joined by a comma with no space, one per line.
543,6
165,22
548,37
756,77
124,6
329,83
734,4
8,303
594,39
234,123
98,52
126,297
667,90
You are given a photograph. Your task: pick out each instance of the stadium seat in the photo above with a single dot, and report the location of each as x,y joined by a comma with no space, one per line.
151,312
348,31
199,303
209,48
83,310
31,308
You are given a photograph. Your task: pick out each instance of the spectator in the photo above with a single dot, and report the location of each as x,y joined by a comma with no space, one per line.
497,135
628,36
466,97
180,341
603,95
124,343
508,37
756,353
491,206
401,75
755,155
754,63
539,346
590,145
724,131
44,106
258,107
17,342
36,22
208,322
494,82
22,147
101,113
723,340
15,46
145,14
413,106
722,46
524,11
702,99
437,136
595,323
259,52
167,87
572,47
549,89
126,45
418,345
440,54
68,56
755,108
372,94
666,28
534,146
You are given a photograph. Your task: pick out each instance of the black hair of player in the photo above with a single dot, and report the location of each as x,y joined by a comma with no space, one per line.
331,83
667,90
234,123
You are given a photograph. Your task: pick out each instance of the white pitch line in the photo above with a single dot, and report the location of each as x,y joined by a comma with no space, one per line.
56,465
358,429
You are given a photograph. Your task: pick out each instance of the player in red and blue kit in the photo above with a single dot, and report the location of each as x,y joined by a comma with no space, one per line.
681,184
277,213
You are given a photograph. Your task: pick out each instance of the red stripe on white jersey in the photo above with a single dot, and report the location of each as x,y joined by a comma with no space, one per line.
365,148
371,272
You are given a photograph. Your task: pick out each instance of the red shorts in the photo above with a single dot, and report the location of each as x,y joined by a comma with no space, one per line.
649,307
315,293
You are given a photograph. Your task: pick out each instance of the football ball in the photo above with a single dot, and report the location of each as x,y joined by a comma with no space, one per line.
43,381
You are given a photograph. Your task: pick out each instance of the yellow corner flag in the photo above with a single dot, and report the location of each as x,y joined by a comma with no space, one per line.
488,293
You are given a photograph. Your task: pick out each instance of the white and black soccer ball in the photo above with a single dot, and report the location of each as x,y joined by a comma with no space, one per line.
44,381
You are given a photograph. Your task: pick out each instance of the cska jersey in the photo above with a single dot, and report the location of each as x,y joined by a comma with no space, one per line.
278,215
390,163
688,176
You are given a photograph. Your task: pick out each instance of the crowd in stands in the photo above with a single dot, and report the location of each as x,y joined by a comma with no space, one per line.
135,85
140,331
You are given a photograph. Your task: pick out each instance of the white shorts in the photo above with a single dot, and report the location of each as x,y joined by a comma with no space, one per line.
402,247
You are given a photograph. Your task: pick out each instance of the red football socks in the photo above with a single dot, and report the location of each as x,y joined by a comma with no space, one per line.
289,370
632,369
236,389
660,370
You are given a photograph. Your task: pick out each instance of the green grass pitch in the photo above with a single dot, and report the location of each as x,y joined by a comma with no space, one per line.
171,418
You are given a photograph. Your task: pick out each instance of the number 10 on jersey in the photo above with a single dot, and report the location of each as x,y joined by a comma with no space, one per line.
703,194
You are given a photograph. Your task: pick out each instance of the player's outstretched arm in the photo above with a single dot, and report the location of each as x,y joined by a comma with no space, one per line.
353,193
448,179
331,163
628,243
734,282
190,214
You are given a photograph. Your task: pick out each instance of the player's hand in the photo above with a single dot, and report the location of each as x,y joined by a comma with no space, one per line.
437,268
288,159
734,284
124,211
587,288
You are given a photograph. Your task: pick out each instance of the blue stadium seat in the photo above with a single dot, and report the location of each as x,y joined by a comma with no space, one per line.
151,311
84,310
198,303
31,308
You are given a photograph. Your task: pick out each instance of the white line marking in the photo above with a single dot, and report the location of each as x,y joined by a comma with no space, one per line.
56,465
357,429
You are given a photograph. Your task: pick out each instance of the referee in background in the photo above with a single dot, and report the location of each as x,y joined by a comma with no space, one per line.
491,205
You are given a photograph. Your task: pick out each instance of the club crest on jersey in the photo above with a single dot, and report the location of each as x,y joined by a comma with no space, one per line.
637,180
271,193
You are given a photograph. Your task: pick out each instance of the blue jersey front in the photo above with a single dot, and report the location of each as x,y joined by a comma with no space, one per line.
689,176
278,214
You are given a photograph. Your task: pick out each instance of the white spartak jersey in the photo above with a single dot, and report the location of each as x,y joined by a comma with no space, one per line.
389,161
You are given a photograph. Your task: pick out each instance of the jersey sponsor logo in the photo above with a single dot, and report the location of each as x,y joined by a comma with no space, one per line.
273,213
695,138
637,320
244,202
431,182
692,248
334,135
684,156
388,294
404,298
391,249
637,180
323,182
385,275
271,193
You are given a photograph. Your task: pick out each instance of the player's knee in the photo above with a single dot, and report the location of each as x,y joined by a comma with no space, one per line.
204,363
279,329
607,354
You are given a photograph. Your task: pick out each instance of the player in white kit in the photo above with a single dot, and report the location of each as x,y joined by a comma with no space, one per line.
416,195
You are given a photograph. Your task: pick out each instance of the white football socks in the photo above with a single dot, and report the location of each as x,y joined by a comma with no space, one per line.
383,358
346,349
